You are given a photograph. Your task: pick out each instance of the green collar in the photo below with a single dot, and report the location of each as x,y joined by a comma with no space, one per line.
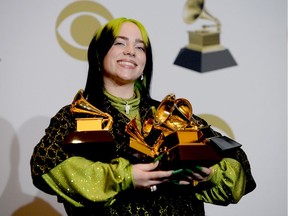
129,107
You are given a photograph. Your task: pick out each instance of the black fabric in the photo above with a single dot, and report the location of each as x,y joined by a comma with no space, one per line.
167,200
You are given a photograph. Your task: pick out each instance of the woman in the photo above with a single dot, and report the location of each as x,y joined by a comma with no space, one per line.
118,83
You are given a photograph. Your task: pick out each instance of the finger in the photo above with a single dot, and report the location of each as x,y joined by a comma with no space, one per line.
151,166
203,171
198,176
156,182
147,167
158,175
183,182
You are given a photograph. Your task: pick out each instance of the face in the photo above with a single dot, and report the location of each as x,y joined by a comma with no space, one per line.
126,59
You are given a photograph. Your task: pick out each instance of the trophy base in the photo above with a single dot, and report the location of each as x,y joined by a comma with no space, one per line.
93,145
182,154
204,61
186,148
78,137
187,155
223,144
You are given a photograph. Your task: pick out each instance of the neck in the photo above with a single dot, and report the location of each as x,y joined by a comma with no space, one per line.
123,91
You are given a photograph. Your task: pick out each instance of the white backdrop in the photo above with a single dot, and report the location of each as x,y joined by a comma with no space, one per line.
37,77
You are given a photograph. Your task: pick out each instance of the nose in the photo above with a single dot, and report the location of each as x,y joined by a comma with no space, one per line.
129,50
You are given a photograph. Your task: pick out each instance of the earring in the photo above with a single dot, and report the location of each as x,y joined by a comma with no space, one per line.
142,77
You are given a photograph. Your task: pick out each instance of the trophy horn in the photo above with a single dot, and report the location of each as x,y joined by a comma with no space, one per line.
195,9
175,114
81,105
137,141
132,130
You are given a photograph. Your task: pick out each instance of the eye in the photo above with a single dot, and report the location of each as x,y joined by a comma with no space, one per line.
142,48
76,25
119,42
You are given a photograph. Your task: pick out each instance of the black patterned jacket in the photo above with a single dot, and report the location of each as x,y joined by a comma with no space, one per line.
168,200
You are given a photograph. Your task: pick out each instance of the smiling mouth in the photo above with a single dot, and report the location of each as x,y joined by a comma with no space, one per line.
126,63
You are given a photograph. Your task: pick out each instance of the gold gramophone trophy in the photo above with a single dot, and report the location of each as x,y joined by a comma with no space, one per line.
183,141
90,130
204,52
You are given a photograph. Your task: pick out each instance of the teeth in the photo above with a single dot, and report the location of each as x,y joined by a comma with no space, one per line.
126,63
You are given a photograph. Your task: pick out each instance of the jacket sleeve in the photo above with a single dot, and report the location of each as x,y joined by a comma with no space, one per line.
226,185
81,181
232,177
48,153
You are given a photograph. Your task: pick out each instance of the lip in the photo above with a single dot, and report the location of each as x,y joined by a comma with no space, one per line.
127,62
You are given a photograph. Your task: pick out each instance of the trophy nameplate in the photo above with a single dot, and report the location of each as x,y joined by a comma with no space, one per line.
183,136
88,124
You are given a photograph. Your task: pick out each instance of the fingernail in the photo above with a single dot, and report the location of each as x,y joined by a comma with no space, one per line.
189,171
158,158
175,172
198,167
174,182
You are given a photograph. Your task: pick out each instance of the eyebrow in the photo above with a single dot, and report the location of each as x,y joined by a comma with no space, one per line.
127,39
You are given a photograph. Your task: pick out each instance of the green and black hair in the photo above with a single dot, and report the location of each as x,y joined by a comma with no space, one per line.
99,47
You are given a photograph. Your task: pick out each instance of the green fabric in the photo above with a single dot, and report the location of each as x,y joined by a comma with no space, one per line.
95,181
133,103
105,181
180,200
225,185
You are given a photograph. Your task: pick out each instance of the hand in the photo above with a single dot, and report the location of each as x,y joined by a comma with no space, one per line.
199,174
145,176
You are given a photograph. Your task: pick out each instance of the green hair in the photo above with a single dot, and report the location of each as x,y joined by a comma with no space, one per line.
115,26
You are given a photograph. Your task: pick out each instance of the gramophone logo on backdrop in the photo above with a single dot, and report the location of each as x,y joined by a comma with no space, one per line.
77,23
204,52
